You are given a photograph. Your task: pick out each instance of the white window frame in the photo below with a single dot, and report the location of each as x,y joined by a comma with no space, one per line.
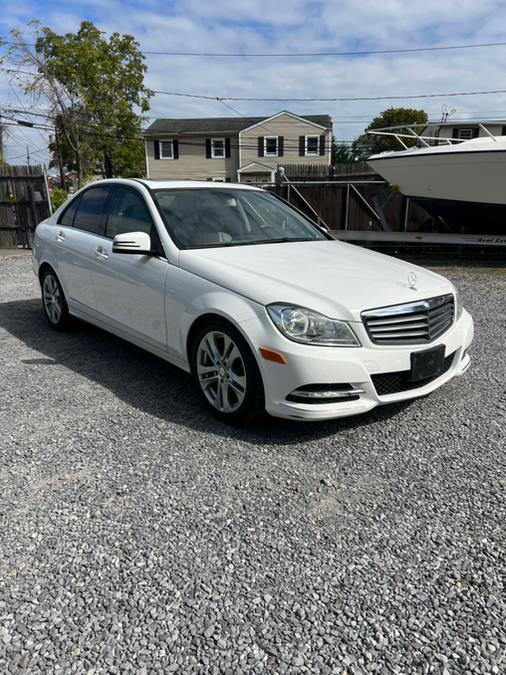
213,156
312,154
271,154
160,146
469,130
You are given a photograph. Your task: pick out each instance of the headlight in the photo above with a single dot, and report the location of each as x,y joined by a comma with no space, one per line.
304,325
458,305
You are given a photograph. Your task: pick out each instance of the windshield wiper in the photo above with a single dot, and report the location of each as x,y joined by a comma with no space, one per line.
282,240
253,242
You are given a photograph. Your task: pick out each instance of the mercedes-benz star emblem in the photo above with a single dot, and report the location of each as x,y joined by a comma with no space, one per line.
412,280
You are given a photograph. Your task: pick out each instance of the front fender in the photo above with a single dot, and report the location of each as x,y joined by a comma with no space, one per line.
232,307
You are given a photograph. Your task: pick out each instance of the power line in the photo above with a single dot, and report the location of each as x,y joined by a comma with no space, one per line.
346,119
8,159
369,52
329,99
253,145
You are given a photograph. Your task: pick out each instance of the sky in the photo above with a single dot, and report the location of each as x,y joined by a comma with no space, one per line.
242,26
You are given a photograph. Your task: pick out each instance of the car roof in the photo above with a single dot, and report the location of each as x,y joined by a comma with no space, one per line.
178,184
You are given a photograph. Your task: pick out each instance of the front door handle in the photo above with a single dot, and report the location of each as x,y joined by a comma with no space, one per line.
60,236
101,253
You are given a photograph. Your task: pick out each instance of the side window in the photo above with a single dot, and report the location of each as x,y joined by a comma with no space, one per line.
67,217
90,213
128,213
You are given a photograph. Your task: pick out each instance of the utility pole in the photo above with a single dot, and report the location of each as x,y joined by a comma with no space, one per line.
59,157
1,140
28,155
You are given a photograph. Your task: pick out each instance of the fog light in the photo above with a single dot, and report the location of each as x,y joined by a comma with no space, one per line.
324,393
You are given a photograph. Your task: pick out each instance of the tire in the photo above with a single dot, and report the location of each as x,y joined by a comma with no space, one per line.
54,303
226,373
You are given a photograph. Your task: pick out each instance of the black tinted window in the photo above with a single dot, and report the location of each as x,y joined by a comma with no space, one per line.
128,213
89,215
67,218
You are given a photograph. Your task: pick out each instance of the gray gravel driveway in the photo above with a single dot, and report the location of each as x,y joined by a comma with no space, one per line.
140,535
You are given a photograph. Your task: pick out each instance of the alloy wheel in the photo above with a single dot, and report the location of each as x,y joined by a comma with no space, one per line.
52,298
221,371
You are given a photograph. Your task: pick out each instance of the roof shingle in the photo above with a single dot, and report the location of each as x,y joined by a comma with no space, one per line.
218,125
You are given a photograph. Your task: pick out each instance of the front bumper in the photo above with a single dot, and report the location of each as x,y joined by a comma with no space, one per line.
310,364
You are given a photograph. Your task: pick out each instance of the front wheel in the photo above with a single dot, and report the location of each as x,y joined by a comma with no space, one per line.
227,374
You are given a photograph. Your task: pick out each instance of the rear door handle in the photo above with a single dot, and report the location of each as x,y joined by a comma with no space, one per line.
60,236
101,253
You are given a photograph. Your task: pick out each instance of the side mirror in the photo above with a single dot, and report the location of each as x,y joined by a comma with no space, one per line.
133,243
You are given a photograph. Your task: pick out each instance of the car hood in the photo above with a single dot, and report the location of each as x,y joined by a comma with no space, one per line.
337,279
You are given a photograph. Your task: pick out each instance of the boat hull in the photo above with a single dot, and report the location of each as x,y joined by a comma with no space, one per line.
465,188
472,176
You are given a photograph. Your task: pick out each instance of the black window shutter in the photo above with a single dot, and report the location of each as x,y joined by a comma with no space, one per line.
455,132
281,146
476,132
302,146
260,146
175,149
227,147
157,149
322,144
208,148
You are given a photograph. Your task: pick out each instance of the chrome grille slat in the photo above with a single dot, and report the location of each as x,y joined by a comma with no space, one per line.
404,319
437,324
410,323
441,310
404,327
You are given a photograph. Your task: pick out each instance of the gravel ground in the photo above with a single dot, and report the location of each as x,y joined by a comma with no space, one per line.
138,534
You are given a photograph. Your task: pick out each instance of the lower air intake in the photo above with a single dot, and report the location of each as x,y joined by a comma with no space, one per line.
393,383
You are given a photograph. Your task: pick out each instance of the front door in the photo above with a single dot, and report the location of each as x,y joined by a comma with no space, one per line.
129,289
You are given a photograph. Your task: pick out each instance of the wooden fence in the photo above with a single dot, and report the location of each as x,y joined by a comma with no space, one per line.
356,205
24,202
309,172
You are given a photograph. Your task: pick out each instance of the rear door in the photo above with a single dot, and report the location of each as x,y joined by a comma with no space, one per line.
77,235
129,288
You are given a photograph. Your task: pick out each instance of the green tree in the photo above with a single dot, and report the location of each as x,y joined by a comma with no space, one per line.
58,197
95,90
368,144
341,153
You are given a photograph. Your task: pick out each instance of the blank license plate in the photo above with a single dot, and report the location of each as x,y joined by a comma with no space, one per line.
427,364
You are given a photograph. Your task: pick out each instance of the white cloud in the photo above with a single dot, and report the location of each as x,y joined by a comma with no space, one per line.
295,25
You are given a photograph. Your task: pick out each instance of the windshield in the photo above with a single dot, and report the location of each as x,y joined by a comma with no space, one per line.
207,217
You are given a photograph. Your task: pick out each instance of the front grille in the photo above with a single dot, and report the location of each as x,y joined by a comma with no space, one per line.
393,383
412,323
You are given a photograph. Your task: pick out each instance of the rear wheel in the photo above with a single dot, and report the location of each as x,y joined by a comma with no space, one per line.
226,373
53,301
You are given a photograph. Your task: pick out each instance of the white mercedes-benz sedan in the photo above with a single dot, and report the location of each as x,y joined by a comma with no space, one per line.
263,307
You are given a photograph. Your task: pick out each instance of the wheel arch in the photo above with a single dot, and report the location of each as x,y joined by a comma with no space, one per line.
200,321
42,269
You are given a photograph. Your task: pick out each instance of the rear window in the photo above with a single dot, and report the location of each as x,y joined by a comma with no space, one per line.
67,218
90,213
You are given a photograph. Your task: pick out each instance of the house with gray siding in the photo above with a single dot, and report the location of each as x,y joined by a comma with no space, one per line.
464,130
236,149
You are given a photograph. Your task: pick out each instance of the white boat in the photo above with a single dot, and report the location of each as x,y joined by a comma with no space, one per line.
461,182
